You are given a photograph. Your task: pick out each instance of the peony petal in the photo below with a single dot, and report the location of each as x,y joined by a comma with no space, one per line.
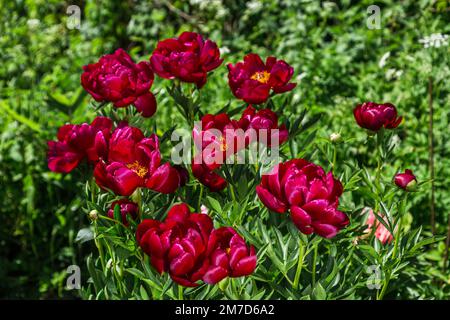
146,104
270,201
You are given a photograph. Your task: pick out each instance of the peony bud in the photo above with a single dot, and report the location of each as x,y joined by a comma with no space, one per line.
374,116
93,215
407,181
335,137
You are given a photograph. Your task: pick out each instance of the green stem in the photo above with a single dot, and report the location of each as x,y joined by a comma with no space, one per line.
385,286
316,247
334,157
180,293
200,198
99,246
301,255
397,238
431,154
401,213
379,141
233,196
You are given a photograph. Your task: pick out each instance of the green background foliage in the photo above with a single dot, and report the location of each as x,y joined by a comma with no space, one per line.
338,63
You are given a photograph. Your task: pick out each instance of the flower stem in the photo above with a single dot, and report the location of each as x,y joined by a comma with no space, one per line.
313,272
99,246
431,153
397,237
301,256
200,198
334,157
385,286
180,292
401,213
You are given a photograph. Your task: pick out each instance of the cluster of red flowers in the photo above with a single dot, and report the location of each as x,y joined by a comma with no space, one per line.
188,247
124,159
218,133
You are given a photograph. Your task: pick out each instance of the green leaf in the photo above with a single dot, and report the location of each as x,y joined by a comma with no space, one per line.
31,124
84,235
319,292
214,204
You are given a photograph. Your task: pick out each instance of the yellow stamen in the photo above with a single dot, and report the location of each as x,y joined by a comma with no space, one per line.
137,168
261,76
223,144
228,250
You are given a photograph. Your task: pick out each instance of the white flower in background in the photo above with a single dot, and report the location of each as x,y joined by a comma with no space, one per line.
335,137
208,4
254,5
435,40
33,23
329,5
300,76
393,73
224,50
204,209
383,59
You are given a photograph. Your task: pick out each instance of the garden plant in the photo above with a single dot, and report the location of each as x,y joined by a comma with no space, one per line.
225,150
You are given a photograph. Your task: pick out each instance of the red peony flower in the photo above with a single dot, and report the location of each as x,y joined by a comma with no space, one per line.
126,207
266,121
406,180
311,196
228,256
253,79
116,78
208,177
178,245
210,138
78,142
187,246
219,137
188,58
373,116
134,161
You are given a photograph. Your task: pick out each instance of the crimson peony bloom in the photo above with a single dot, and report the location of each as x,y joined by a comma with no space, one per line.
264,119
214,136
253,79
177,245
78,142
134,161
311,196
209,178
209,139
116,78
188,58
187,246
229,256
218,133
373,116
127,208
406,180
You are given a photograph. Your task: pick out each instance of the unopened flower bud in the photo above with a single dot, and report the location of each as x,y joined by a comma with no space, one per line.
335,137
407,181
93,215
